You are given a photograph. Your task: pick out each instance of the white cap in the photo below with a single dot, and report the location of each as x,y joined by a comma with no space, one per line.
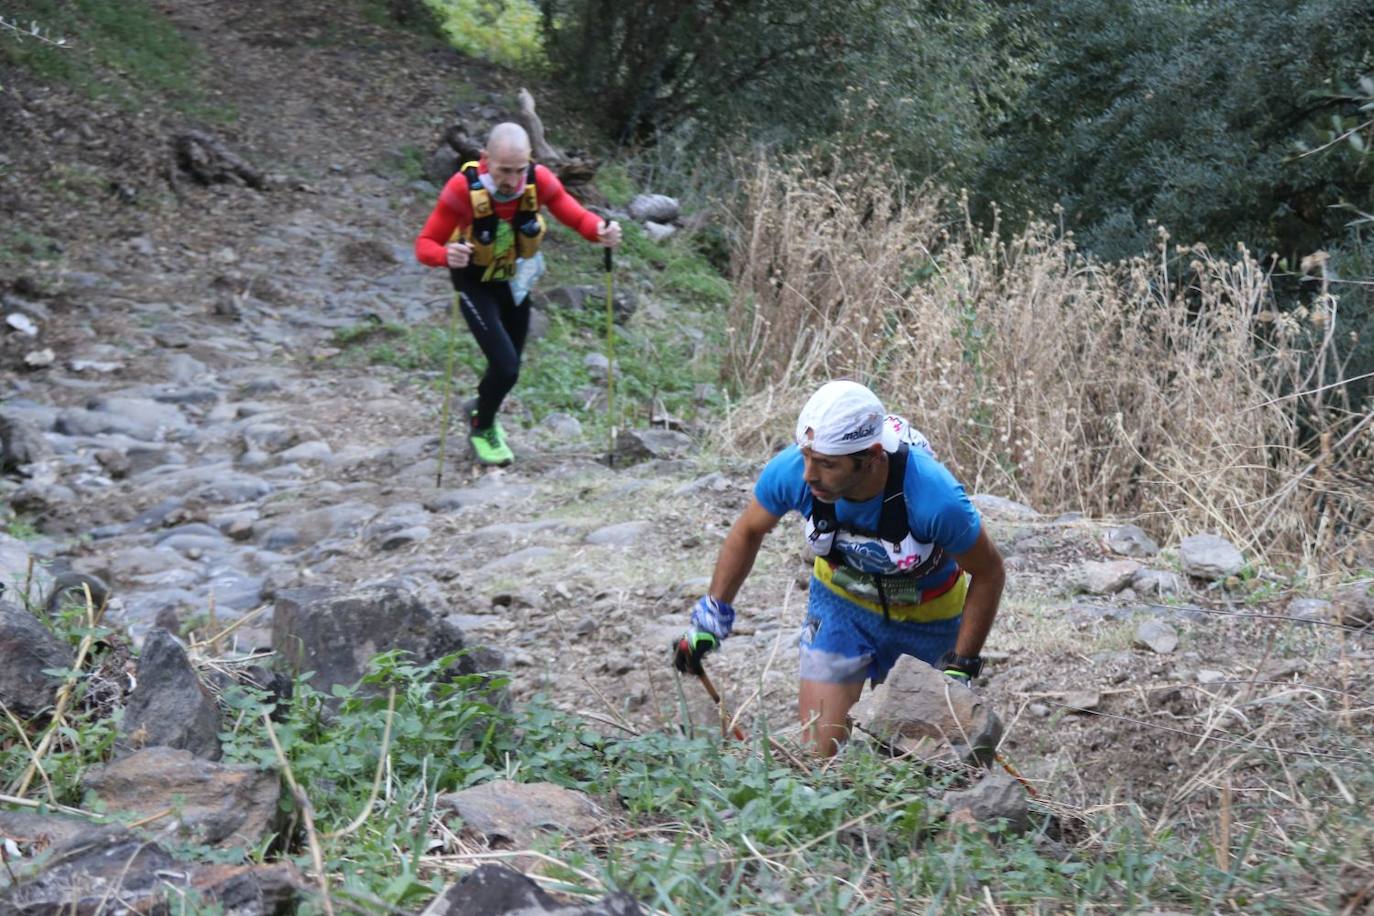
842,417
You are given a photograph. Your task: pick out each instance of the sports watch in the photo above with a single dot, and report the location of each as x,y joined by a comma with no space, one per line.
967,666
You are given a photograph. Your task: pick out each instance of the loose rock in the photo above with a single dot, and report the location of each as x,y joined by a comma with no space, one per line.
995,797
1210,557
1157,636
495,890
169,706
1130,541
27,649
916,701
1105,578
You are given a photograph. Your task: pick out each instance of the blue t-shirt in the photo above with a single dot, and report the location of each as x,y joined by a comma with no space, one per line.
937,509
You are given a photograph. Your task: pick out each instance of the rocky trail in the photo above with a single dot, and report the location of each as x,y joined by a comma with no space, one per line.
185,432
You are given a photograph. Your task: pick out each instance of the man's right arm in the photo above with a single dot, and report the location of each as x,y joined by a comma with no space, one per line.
452,210
740,549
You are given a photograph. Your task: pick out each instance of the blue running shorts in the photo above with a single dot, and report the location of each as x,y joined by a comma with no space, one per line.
842,642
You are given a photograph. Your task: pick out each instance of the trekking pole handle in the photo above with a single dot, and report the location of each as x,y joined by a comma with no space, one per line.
607,253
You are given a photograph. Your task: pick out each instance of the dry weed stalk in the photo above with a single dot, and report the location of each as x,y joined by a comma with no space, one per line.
1119,390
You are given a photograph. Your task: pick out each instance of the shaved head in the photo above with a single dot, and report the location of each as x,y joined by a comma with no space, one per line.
508,138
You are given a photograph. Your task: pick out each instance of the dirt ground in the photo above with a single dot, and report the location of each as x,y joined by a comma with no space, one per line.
255,283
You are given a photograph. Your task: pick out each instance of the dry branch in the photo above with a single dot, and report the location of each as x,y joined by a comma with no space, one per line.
540,146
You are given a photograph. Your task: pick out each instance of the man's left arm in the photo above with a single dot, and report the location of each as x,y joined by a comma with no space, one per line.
567,210
983,563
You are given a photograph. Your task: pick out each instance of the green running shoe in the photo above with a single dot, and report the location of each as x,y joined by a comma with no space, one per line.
489,445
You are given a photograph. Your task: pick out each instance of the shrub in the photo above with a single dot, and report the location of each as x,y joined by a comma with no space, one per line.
1162,387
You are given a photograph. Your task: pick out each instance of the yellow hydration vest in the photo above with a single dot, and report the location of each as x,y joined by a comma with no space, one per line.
496,243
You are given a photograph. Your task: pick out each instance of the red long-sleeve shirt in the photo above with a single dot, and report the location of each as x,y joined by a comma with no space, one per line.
454,209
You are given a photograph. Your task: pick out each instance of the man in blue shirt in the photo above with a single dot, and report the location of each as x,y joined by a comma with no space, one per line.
903,565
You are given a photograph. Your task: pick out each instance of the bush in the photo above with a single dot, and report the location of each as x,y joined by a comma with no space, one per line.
502,31
1159,387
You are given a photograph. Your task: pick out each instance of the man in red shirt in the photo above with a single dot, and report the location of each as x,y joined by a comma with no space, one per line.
486,222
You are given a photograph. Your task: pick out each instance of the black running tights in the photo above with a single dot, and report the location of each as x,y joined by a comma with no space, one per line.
500,327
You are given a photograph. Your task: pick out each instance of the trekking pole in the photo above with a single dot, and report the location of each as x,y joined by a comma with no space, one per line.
610,353
1011,771
715,698
448,389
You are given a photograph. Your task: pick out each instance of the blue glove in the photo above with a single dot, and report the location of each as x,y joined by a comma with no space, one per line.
712,620
713,616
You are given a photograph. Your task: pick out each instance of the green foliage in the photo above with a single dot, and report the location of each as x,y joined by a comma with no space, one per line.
614,181
712,827
647,67
21,528
1189,115
501,31
406,162
88,731
127,52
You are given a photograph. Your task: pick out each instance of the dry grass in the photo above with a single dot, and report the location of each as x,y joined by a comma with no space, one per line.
1120,390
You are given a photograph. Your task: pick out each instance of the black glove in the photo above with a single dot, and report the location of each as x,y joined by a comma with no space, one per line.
962,668
690,648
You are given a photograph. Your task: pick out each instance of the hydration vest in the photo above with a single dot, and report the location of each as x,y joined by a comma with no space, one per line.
497,243
913,559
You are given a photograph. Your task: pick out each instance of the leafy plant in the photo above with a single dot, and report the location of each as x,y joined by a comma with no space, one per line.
501,31
127,52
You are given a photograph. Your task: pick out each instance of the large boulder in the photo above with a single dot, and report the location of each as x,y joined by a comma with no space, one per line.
169,706
27,650
217,804
918,702
657,208
335,632
111,869
624,302
40,831
1003,508
90,870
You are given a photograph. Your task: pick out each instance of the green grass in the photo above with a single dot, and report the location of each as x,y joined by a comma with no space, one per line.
713,828
614,181
680,270
20,247
128,53
406,162
22,529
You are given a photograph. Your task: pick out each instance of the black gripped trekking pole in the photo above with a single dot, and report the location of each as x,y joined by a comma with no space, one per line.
610,352
720,706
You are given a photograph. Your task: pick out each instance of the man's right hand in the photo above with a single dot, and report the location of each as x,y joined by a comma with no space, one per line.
459,254
690,648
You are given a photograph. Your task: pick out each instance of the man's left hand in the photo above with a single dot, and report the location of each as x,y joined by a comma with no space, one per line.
962,669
